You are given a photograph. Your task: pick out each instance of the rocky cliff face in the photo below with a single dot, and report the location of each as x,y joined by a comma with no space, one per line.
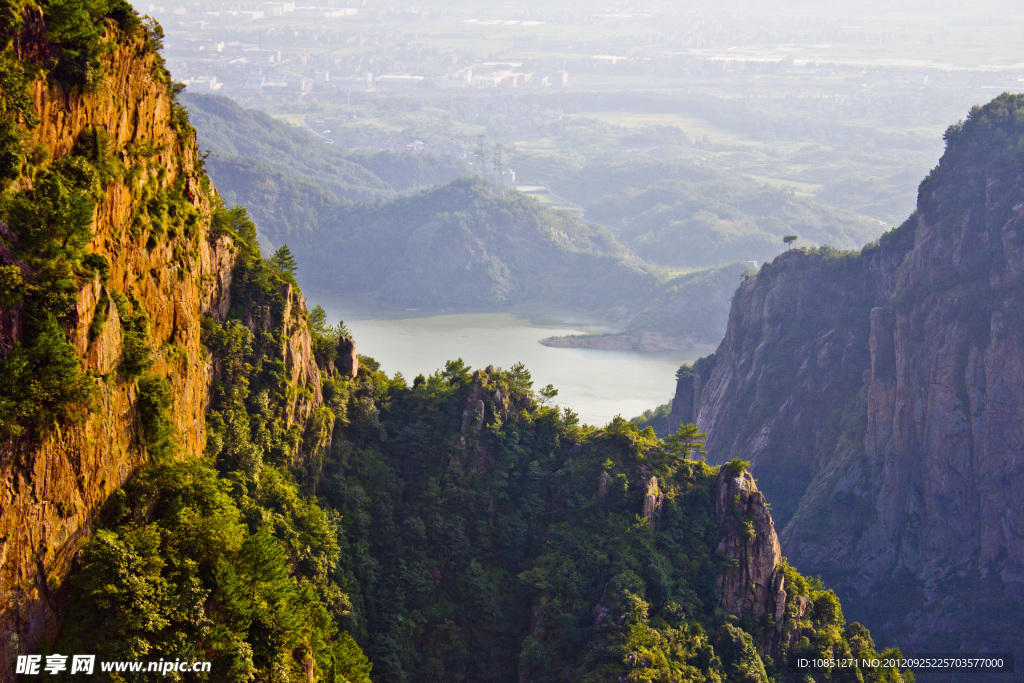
753,581
54,485
880,398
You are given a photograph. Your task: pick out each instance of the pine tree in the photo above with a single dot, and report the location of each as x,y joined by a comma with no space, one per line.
284,260
687,440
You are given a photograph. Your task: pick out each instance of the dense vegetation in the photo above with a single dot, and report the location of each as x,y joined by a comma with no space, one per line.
46,263
223,557
47,207
472,245
454,527
655,418
40,376
43,263
678,214
246,138
492,535
74,32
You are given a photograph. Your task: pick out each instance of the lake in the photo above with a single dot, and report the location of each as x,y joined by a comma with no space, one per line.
596,384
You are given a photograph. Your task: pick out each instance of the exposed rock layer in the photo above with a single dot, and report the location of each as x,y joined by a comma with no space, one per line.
52,491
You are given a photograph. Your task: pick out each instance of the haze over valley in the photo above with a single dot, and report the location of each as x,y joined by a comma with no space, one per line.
692,140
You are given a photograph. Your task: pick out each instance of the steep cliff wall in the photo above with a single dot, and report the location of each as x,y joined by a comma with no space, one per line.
55,488
880,397
170,268
780,386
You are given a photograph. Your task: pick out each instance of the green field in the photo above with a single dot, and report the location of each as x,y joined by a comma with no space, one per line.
544,196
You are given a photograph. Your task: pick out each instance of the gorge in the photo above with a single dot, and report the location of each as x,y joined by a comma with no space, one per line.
195,466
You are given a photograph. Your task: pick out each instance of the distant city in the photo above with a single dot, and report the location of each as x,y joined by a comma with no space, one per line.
290,50
268,49
845,106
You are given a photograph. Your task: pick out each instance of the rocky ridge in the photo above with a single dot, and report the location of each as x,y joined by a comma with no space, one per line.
880,398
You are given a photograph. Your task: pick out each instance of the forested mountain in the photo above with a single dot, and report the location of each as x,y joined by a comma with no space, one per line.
879,395
242,137
471,246
197,468
678,214
467,245
120,272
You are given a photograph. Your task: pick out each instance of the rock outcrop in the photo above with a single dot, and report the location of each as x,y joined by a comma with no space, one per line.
602,486
752,581
296,349
654,500
348,358
880,398
485,398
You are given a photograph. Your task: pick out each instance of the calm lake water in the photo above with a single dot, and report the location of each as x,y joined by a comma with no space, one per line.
596,384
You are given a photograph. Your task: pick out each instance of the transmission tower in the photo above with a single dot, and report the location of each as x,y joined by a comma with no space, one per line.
498,166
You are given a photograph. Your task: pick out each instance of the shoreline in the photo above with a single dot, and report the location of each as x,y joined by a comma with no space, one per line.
639,341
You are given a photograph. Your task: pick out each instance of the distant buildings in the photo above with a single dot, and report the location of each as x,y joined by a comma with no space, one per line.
204,83
286,49
398,79
491,75
463,78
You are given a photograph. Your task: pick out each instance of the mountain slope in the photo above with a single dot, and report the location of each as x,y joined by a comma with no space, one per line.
474,246
236,135
197,469
879,397
106,245
677,214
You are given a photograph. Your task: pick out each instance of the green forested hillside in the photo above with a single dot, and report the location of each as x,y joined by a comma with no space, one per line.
240,136
451,529
469,243
224,557
219,558
677,214
473,245
494,539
